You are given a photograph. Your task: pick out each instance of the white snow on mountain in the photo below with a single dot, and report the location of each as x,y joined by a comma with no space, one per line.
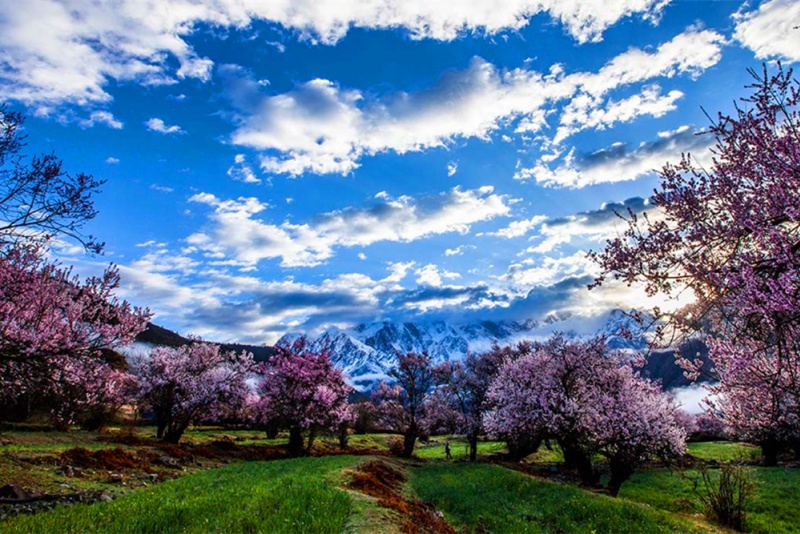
368,351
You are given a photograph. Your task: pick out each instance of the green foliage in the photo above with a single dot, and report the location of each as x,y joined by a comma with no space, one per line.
773,509
283,496
488,497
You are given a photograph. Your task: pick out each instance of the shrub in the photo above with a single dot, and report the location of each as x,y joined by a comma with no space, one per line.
725,497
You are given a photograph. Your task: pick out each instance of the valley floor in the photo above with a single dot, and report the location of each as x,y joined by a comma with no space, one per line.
237,481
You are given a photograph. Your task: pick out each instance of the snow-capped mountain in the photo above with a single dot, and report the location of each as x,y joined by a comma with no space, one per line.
368,351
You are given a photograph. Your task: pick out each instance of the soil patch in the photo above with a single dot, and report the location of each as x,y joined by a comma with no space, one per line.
384,482
108,459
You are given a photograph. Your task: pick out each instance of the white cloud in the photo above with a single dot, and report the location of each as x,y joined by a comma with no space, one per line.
452,168
101,117
548,270
362,256
112,160
771,31
56,51
458,251
241,171
235,230
161,188
519,228
587,112
619,162
431,275
157,125
588,227
319,127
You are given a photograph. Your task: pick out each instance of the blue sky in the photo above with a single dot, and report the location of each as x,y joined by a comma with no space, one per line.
276,166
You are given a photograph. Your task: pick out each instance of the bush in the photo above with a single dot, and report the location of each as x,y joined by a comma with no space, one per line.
727,496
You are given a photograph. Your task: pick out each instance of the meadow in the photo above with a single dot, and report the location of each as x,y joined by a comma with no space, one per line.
219,484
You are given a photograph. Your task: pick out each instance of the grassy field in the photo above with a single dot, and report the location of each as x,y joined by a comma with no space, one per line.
311,495
481,497
281,496
723,451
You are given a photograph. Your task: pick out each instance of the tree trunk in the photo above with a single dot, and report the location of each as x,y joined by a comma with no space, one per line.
769,451
620,472
272,429
473,447
312,433
580,461
174,432
295,442
343,436
409,440
519,448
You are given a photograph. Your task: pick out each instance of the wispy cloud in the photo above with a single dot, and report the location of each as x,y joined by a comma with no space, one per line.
619,162
101,117
236,231
157,125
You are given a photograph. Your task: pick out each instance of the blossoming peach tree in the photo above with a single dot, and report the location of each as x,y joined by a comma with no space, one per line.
729,235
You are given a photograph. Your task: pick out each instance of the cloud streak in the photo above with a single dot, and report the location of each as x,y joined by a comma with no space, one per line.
320,127
619,162
69,51
236,232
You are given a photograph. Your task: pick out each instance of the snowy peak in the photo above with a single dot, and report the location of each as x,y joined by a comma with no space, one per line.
368,351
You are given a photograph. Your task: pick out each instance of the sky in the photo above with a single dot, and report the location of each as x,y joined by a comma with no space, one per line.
295,165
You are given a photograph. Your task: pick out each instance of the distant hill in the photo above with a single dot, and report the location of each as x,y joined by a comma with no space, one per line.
158,335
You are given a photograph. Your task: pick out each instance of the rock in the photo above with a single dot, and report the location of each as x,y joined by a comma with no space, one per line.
13,491
168,461
105,497
116,477
66,470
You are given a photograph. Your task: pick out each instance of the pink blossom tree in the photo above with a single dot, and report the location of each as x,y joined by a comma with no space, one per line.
38,199
55,325
465,385
180,385
587,401
403,404
303,391
730,236
86,391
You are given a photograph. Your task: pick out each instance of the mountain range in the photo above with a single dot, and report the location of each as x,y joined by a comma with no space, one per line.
368,351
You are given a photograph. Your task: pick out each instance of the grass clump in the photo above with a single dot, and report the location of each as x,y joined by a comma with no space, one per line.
286,496
481,497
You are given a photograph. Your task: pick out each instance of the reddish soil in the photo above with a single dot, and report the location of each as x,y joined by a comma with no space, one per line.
380,480
108,459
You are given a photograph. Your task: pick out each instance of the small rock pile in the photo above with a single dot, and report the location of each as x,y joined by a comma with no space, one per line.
15,500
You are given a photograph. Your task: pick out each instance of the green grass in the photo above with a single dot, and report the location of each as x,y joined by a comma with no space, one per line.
481,496
723,451
774,508
296,495
459,448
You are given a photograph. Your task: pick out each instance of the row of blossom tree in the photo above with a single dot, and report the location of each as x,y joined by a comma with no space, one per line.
571,392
